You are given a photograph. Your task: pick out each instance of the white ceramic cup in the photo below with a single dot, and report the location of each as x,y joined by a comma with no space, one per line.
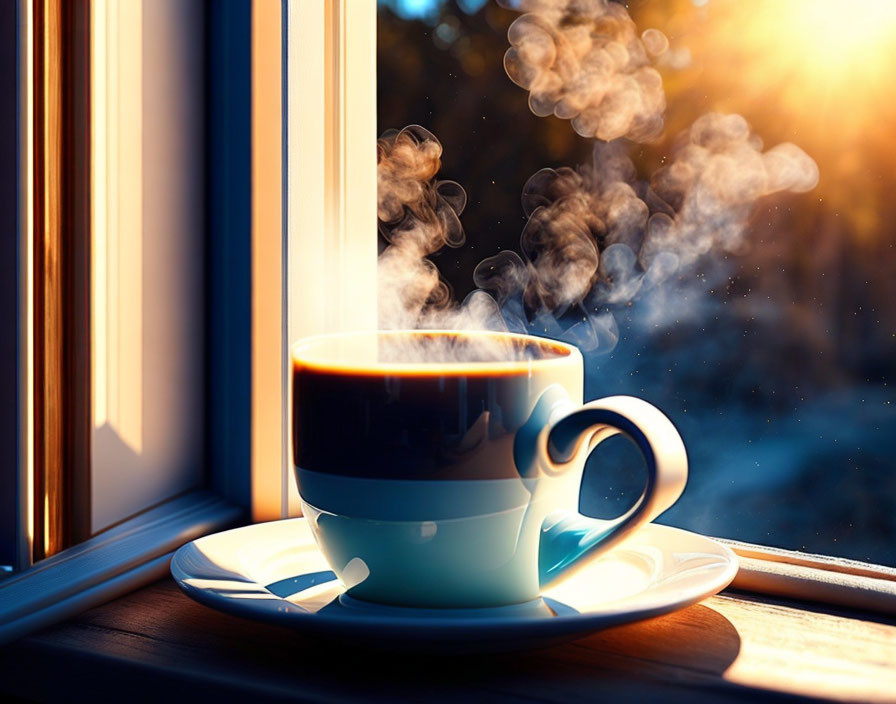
443,469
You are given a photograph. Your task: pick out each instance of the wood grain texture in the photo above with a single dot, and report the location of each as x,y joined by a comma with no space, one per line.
49,520
61,189
797,650
733,647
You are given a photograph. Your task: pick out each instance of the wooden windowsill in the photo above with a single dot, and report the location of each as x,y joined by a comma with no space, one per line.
156,643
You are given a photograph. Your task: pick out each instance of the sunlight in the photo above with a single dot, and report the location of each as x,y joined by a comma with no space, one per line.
831,37
843,27
815,72
821,46
117,212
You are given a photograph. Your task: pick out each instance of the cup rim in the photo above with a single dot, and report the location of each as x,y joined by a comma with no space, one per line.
565,354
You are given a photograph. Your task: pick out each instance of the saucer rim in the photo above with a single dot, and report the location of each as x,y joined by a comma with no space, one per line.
427,627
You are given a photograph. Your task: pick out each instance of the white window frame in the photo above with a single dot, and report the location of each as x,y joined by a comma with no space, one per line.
327,171
328,206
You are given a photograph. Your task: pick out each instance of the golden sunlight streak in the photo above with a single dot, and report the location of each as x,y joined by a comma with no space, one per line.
815,72
827,42
810,55
117,223
836,33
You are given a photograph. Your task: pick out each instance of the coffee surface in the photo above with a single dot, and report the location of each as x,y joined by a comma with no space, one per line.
403,426
420,405
423,351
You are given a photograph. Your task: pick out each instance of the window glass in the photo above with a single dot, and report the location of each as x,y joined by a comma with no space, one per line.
715,230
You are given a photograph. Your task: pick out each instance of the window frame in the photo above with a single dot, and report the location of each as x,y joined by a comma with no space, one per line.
247,271
137,550
9,299
255,480
329,180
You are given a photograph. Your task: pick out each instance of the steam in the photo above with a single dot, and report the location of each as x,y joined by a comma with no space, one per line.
598,237
447,347
717,173
417,216
582,60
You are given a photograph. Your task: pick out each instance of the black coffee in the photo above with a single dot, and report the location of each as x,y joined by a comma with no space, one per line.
417,410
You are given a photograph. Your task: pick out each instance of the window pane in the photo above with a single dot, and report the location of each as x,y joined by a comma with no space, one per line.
754,306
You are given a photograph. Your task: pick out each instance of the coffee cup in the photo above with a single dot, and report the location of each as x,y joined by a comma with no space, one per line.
442,468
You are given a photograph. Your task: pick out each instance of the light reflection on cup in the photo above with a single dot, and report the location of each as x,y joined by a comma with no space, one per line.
442,469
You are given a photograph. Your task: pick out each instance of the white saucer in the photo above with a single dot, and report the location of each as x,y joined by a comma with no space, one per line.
274,572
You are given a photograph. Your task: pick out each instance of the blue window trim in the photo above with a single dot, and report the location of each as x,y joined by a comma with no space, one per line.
9,285
229,247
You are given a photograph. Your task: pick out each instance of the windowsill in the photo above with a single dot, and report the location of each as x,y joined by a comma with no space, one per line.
157,643
115,562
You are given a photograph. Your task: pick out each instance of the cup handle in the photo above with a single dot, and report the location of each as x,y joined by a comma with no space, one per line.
568,538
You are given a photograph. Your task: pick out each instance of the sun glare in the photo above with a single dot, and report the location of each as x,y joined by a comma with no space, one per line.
829,43
818,73
809,57
828,63
835,35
